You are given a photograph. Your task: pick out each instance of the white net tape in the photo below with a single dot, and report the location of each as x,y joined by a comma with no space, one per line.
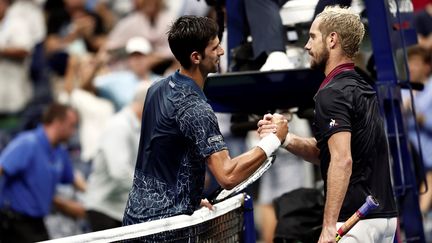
157,226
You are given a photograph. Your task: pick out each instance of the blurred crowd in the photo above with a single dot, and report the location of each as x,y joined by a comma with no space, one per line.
86,65
74,77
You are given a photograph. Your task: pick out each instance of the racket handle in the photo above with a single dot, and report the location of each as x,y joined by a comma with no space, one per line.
370,204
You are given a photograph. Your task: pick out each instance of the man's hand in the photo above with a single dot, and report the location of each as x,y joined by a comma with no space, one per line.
265,126
206,203
281,126
328,235
275,123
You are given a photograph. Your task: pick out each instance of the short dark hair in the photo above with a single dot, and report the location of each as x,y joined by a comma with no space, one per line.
55,111
191,33
422,52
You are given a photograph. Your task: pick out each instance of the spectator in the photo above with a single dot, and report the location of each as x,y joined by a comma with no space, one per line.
71,30
18,37
268,33
420,71
114,164
111,11
31,167
93,110
119,85
150,21
423,24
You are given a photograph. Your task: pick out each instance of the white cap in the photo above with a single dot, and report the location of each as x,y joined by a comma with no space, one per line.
138,45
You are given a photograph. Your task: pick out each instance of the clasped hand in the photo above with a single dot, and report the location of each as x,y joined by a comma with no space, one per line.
273,123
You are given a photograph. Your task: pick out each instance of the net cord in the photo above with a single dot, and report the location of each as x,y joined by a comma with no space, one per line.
148,228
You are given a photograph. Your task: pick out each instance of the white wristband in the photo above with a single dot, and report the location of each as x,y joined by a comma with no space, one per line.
287,140
269,144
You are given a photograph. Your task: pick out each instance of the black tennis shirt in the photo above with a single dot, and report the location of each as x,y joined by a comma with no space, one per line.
348,103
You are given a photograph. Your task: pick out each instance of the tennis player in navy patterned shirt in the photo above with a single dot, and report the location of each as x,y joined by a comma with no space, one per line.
180,133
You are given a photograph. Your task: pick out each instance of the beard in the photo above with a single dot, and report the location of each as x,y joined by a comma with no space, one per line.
214,68
321,60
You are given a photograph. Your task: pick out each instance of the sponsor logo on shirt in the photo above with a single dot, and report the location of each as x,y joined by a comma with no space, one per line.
171,84
333,123
215,139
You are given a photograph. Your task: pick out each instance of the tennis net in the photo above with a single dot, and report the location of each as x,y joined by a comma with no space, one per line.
230,221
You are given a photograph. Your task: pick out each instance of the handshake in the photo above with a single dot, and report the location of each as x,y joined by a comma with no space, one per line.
273,131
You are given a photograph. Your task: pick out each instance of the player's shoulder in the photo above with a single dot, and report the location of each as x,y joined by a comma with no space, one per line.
346,84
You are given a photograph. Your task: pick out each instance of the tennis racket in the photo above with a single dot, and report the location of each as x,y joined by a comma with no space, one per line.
221,194
370,204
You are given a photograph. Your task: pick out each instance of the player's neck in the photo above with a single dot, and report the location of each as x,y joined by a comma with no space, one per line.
333,62
195,74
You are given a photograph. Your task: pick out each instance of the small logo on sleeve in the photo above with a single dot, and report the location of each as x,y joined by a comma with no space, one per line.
333,123
171,84
215,139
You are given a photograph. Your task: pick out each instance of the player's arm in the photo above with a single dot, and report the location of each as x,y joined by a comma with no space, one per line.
1,170
305,148
338,176
230,172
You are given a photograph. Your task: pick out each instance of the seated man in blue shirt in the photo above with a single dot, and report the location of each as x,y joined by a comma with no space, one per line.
180,133
30,168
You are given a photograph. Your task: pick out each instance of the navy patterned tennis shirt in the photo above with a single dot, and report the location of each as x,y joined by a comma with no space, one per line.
179,131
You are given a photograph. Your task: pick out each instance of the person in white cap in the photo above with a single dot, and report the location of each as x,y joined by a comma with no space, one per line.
119,86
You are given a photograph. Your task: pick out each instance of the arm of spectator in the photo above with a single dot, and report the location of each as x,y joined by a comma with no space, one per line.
20,39
91,29
14,53
15,158
54,42
97,63
69,207
85,69
79,182
70,74
108,17
82,27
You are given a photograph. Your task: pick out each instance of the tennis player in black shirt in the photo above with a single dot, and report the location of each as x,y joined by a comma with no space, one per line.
349,140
